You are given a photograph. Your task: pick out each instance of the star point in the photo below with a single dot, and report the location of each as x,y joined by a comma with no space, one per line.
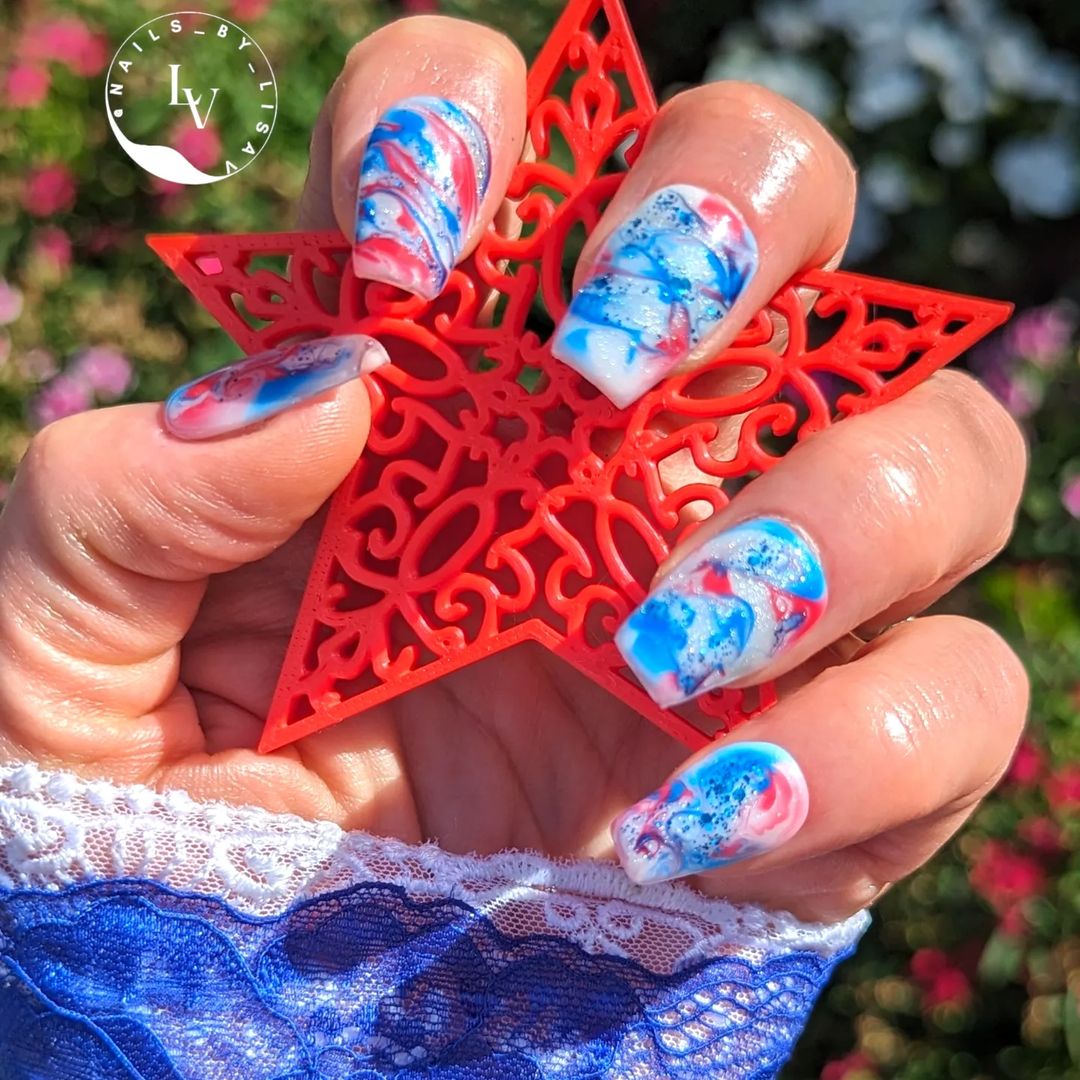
500,498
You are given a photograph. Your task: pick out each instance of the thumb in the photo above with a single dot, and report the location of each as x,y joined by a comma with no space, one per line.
110,532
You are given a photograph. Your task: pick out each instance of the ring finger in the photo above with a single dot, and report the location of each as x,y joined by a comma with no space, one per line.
877,509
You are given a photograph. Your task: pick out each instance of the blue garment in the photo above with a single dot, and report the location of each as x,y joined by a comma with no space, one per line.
130,980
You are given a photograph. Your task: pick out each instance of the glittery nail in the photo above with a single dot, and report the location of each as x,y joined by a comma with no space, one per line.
422,180
738,801
725,612
254,389
660,285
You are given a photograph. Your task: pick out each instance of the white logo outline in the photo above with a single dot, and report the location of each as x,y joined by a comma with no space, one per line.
162,160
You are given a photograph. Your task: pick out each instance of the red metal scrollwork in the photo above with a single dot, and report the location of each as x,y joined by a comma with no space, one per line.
500,498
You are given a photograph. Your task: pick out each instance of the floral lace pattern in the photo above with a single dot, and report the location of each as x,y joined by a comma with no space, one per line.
146,935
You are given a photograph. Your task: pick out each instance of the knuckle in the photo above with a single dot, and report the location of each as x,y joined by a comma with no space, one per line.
917,465
773,115
992,447
49,457
750,99
998,674
994,435
435,32
980,676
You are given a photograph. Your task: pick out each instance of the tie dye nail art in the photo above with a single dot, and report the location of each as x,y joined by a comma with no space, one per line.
422,180
661,284
258,387
725,611
739,801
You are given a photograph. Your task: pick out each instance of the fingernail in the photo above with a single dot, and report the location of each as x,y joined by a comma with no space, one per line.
422,180
260,386
738,801
661,284
725,612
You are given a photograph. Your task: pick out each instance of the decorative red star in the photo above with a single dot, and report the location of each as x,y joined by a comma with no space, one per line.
500,498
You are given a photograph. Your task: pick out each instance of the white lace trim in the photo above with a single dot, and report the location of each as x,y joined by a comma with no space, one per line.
57,829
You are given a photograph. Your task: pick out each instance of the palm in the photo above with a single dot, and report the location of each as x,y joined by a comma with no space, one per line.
516,752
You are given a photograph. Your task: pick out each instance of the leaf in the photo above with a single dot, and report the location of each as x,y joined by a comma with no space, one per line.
1001,960
1071,1022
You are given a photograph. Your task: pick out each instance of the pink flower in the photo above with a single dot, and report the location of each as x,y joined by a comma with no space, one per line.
1004,876
5,490
62,396
1042,834
71,42
37,365
166,189
855,1065
1070,496
26,86
105,370
201,146
1063,788
950,987
249,10
939,978
54,245
104,238
1019,391
420,7
1027,764
48,190
1013,922
11,303
1041,335
926,963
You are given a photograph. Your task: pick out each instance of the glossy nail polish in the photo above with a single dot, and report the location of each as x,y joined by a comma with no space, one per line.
740,800
260,386
725,612
422,179
660,285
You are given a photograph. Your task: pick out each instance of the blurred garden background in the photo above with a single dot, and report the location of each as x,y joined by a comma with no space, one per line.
964,119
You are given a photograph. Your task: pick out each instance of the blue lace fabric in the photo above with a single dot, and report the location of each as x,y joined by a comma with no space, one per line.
123,979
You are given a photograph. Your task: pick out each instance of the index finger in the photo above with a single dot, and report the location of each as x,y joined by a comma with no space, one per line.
413,153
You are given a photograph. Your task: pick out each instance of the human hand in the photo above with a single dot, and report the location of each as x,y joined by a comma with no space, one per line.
150,583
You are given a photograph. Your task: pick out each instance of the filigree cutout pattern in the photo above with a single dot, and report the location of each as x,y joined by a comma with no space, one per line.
500,498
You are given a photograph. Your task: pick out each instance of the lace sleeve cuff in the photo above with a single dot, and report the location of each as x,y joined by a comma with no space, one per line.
148,935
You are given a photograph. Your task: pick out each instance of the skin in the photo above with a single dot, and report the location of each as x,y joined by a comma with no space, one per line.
149,585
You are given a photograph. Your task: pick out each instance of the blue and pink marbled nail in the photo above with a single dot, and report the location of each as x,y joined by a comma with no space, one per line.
261,386
726,611
660,286
423,178
738,801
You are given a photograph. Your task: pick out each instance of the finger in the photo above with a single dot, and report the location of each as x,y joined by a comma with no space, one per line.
878,508
106,542
315,208
916,729
735,191
427,123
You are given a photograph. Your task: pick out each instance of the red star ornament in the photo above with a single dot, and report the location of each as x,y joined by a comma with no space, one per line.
500,498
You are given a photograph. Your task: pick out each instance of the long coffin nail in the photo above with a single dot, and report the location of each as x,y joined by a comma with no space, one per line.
737,802
660,285
725,611
422,180
260,386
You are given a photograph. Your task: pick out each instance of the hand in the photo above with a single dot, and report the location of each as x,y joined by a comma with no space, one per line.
150,582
